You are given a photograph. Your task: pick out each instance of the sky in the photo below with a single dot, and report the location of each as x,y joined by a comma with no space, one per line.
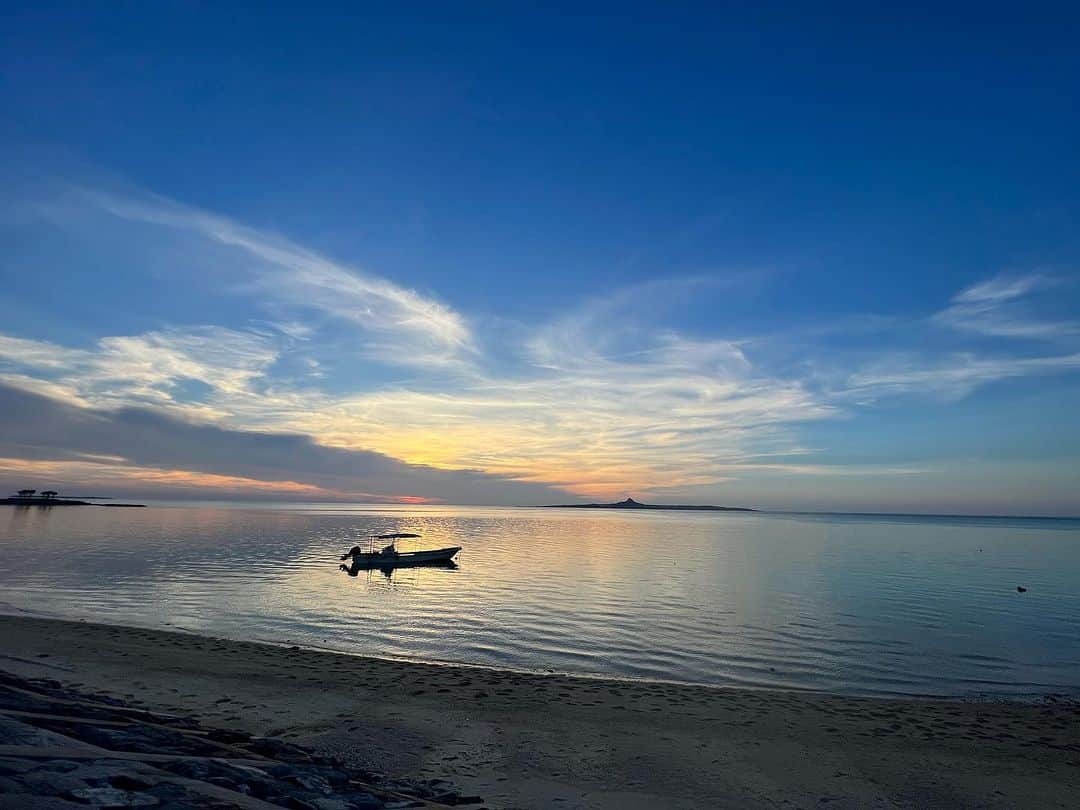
543,253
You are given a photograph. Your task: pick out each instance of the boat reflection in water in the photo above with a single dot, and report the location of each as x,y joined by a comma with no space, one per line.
387,569
389,558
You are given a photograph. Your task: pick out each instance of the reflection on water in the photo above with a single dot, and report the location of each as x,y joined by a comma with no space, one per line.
842,603
387,569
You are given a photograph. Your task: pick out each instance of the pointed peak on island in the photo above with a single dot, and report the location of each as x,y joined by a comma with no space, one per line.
630,503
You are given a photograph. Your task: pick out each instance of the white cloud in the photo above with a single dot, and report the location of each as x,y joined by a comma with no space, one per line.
35,353
604,403
143,369
954,377
662,409
402,326
997,308
1002,288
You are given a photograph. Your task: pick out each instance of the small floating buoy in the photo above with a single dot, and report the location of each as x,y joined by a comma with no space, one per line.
1021,589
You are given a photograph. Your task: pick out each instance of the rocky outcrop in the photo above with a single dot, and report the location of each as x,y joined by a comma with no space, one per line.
60,749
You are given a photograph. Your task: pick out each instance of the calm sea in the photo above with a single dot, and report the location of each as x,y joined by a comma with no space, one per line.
843,603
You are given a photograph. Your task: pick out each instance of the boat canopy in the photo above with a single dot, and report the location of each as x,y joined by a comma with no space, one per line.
393,536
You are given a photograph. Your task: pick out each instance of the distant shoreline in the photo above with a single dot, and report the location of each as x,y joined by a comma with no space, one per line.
375,505
630,503
935,515
805,512
62,502
38,501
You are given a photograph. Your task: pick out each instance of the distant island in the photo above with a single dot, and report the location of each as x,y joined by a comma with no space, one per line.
50,497
630,503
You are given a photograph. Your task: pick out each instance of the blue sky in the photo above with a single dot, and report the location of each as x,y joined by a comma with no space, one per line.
530,253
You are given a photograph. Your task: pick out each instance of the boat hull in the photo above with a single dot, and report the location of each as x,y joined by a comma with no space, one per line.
439,556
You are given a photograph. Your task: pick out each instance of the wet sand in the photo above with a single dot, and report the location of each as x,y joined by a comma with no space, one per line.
534,741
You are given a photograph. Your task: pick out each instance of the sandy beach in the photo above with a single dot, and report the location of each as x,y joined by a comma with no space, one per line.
529,741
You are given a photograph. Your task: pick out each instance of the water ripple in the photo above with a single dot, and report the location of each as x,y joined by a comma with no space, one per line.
840,603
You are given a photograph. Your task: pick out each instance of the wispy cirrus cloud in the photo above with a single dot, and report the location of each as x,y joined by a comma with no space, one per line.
396,325
151,368
954,376
626,426
1000,307
604,402
1005,325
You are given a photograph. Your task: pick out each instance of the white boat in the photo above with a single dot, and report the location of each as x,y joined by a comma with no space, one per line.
390,557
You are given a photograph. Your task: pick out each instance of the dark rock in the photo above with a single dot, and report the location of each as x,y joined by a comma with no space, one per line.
263,789
453,799
324,803
62,765
336,777
190,769
168,793
111,797
144,738
277,749
48,783
127,781
239,772
101,774
311,781
281,771
15,732
17,801
229,784
14,767
296,777
227,736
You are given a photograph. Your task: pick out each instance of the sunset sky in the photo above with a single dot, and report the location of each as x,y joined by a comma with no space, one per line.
492,254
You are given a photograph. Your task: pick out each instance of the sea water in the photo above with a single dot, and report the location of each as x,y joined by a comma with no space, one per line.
885,605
